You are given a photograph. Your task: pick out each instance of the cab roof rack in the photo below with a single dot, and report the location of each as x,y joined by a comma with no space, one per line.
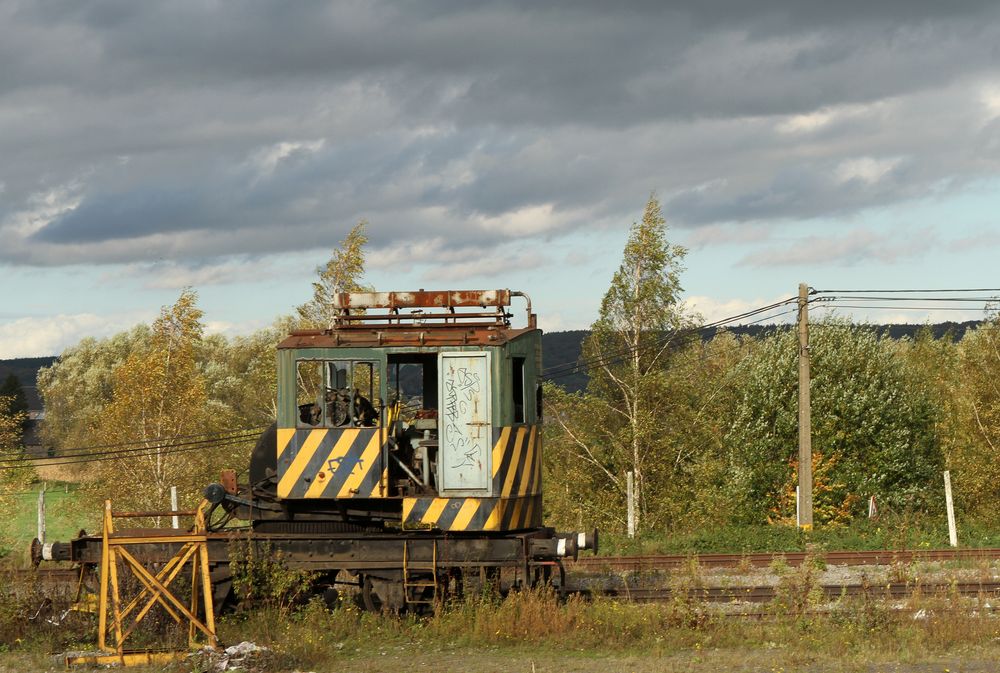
425,309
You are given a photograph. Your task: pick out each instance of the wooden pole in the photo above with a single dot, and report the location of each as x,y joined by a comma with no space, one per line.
805,419
630,496
952,531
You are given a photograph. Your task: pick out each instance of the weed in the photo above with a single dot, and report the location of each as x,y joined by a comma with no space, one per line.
779,565
261,576
798,592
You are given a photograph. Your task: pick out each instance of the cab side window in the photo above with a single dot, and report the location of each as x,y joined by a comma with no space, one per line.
517,388
308,396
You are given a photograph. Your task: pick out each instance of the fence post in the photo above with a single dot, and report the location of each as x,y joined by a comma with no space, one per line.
173,506
630,496
952,532
41,515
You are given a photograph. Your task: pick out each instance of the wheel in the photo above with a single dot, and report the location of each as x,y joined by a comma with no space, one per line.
382,595
372,601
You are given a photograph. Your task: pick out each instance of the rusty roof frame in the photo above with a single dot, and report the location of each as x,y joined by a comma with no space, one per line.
378,319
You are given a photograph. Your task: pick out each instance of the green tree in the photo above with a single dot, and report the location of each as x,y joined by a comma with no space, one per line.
343,272
77,387
976,402
241,375
619,424
873,433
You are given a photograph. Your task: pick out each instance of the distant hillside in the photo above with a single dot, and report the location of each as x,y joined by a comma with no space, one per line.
25,369
562,348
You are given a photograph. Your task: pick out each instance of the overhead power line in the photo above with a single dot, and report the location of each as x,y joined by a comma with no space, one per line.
153,440
897,307
945,300
681,336
133,450
901,291
147,452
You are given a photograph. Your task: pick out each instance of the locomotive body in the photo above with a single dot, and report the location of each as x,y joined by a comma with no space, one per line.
435,414
413,410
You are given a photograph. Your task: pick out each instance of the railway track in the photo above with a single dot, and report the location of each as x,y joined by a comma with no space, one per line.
766,594
66,579
765,559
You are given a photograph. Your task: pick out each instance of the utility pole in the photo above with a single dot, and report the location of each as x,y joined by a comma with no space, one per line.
805,420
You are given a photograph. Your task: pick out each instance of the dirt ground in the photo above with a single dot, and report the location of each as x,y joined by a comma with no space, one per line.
528,661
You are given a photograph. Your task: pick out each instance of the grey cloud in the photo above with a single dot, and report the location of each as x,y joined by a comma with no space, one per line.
848,249
437,117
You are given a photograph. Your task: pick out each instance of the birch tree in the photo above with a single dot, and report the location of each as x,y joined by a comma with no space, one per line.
627,353
343,272
158,393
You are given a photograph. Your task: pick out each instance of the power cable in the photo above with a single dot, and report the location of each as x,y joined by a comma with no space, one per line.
148,452
569,369
154,439
898,308
976,300
900,291
239,436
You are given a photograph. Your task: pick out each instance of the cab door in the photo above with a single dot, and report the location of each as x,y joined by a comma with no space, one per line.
466,424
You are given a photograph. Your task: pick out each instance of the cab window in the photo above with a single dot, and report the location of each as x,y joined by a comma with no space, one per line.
338,393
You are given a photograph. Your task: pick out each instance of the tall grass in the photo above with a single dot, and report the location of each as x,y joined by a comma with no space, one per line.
798,623
864,628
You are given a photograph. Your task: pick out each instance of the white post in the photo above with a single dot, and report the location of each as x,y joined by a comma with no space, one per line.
41,515
798,509
630,496
952,532
173,506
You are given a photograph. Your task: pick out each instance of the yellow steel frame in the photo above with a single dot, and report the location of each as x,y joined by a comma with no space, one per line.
124,619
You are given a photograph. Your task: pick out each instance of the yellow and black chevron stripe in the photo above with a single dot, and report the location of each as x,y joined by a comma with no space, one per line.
472,514
334,463
517,461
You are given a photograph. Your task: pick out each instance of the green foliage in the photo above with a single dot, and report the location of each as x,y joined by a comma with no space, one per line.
622,423
876,432
261,576
867,633
974,402
79,385
241,375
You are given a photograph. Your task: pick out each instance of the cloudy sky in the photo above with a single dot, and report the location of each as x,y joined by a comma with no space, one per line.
146,146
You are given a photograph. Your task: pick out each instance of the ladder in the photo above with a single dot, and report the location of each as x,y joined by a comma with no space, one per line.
413,589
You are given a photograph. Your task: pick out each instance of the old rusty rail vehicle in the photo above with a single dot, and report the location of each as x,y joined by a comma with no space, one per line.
407,452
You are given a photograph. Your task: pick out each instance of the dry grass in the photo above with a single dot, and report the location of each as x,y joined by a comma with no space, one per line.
859,631
536,631
56,469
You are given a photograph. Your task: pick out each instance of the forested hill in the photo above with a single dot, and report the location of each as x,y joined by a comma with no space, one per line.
563,348
25,369
559,349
